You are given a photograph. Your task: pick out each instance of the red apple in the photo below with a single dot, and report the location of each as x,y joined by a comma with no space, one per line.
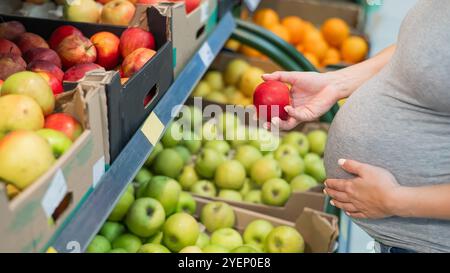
134,38
11,30
76,49
6,46
191,5
77,72
149,2
64,123
136,60
1,84
60,33
29,41
42,54
44,66
54,83
107,45
118,12
270,94
16,58
8,67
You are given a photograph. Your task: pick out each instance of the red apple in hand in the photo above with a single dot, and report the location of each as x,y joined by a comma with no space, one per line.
77,72
55,84
136,60
11,30
60,34
8,47
29,41
42,54
269,95
76,49
134,38
45,66
64,123
107,45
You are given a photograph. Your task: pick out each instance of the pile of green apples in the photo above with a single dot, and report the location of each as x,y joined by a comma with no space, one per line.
164,225
237,169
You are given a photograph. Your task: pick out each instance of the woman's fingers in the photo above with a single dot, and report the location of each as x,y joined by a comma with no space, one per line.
337,184
285,125
348,207
357,215
352,166
287,77
337,195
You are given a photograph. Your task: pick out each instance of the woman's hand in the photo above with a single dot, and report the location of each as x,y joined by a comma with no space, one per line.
372,194
312,95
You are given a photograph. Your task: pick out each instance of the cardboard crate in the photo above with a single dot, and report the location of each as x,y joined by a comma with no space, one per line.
318,229
30,219
186,31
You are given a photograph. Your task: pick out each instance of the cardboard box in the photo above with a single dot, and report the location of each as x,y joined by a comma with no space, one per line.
31,218
318,229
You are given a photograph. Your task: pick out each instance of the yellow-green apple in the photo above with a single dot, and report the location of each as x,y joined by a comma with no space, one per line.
202,89
180,230
234,71
8,47
245,249
153,248
24,157
253,196
247,155
202,240
134,38
76,49
264,169
143,176
59,142
192,141
184,153
231,195
64,123
121,208
215,80
44,66
77,72
186,203
33,85
275,192
256,232
191,249
99,245
217,215
204,188
172,136
291,166
219,145
9,65
298,140
314,166
112,230
303,183
118,12
227,237
230,175
214,249
11,30
245,188
285,150
145,217
317,141
136,60
284,239
82,11
107,45
207,162
156,150
155,239
29,40
166,191
130,242
42,54
55,84
168,163
188,177
60,33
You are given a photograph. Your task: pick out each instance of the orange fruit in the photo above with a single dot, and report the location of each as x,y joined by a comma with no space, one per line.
300,48
315,44
335,31
331,57
232,45
249,51
354,49
312,59
296,28
266,18
281,32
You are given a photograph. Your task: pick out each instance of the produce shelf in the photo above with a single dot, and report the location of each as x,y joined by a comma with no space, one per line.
77,232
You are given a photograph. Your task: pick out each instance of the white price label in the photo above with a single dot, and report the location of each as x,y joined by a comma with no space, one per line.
55,193
97,171
252,4
204,12
206,54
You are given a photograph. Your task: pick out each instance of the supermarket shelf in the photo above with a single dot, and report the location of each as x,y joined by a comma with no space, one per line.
88,218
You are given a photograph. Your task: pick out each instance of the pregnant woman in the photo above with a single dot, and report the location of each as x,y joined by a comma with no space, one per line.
388,152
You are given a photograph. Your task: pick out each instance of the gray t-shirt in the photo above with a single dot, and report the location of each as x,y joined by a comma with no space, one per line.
400,121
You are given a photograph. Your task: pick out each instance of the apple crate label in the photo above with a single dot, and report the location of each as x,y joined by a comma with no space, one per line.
98,170
55,193
252,4
152,128
206,54
204,12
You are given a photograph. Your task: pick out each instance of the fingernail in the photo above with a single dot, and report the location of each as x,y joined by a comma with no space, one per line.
287,108
341,162
332,203
325,183
325,191
348,214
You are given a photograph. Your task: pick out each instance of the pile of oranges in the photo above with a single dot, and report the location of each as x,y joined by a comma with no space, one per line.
331,44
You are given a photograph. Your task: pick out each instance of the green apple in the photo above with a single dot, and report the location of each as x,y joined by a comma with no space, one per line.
202,240
264,169
207,162
245,249
146,217
202,89
316,169
247,155
59,142
130,242
112,230
156,150
143,176
130,188
217,215
191,249
173,135
234,71
184,153
141,189
168,163
214,249
220,146
285,150
153,248
86,11
215,80
311,158
275,192
303,183
263,140
192,141
227,237
230,175
99,245
299,140
256,232
204,188
190,116
188,177
166,191
180,230
186,203
117,250
230,195
122,207
245,188
155,239
317,141
253,196
284,239
291,166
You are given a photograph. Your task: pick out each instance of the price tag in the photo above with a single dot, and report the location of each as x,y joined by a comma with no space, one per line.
97,171
204,12
206,54
55,193
152,128
252,4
